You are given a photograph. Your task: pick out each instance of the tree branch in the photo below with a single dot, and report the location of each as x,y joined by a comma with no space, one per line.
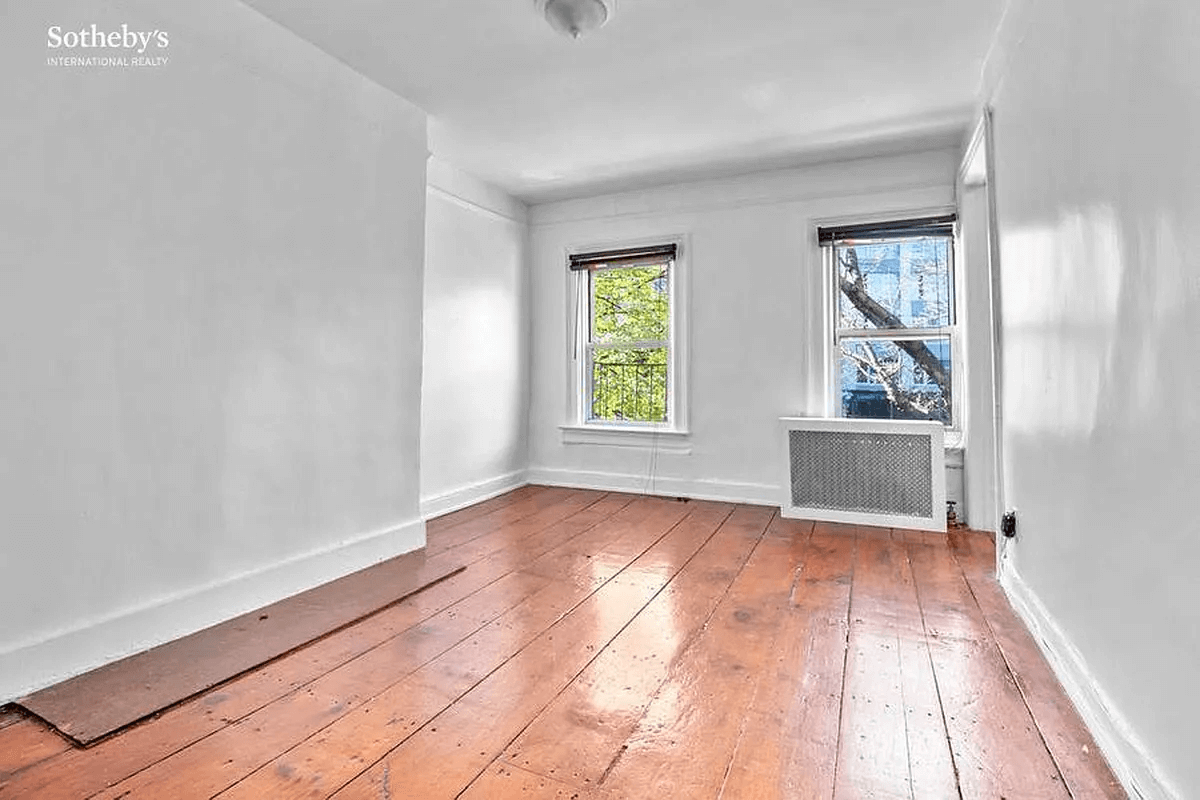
887,379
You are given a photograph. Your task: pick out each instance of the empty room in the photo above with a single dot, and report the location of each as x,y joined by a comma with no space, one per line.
599,399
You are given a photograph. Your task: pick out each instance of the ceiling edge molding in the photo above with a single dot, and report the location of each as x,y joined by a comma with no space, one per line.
929,169
457,184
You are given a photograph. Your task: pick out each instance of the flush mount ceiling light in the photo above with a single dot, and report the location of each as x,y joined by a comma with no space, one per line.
576,17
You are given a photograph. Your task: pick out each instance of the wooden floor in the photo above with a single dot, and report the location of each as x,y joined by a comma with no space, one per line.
612,646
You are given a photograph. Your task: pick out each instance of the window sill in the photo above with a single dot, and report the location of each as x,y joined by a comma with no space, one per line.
662,440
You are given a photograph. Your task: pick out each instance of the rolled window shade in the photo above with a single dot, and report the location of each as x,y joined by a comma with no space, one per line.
628,257
891,229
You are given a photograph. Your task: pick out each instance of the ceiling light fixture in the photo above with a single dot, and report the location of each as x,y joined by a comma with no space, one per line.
576,17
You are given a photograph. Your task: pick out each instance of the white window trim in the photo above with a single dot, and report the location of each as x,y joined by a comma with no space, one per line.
832,377
659,439
671,436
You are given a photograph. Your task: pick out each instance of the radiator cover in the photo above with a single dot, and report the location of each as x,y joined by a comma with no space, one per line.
875,472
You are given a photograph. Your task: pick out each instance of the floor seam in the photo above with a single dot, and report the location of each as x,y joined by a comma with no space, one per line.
837,757
933,670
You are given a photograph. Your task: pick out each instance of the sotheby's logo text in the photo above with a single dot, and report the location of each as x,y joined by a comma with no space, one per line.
92,46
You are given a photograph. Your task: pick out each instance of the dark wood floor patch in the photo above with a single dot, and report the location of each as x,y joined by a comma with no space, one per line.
98,703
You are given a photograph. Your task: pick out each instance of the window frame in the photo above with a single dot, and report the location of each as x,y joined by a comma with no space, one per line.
835,335
589,347
670,435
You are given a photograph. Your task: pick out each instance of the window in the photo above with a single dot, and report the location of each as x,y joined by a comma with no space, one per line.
895,336
625,359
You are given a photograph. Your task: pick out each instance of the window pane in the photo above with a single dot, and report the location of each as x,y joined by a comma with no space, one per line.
629,384
630,305
904,283
896,379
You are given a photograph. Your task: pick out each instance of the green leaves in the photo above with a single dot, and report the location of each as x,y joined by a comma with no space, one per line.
630,305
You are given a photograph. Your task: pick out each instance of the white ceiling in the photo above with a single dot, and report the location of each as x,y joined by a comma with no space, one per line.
669,89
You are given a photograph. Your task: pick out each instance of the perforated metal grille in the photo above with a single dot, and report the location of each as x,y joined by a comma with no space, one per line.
885,473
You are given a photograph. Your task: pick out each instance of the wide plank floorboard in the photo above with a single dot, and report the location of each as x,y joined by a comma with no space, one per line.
787,746
604,646
477,728
581,732
27,742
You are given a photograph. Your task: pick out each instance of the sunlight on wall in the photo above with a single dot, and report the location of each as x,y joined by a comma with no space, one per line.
1096,117
1061,324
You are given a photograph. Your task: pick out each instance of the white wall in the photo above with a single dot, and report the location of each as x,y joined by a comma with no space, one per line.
756,314
210,309
474,409
975,313
1097,116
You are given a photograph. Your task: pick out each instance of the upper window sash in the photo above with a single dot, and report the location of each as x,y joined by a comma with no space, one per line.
900,284
614,338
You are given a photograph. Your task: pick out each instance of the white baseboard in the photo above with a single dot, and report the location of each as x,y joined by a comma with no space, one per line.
1132,764
470,495
695,488
28,667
